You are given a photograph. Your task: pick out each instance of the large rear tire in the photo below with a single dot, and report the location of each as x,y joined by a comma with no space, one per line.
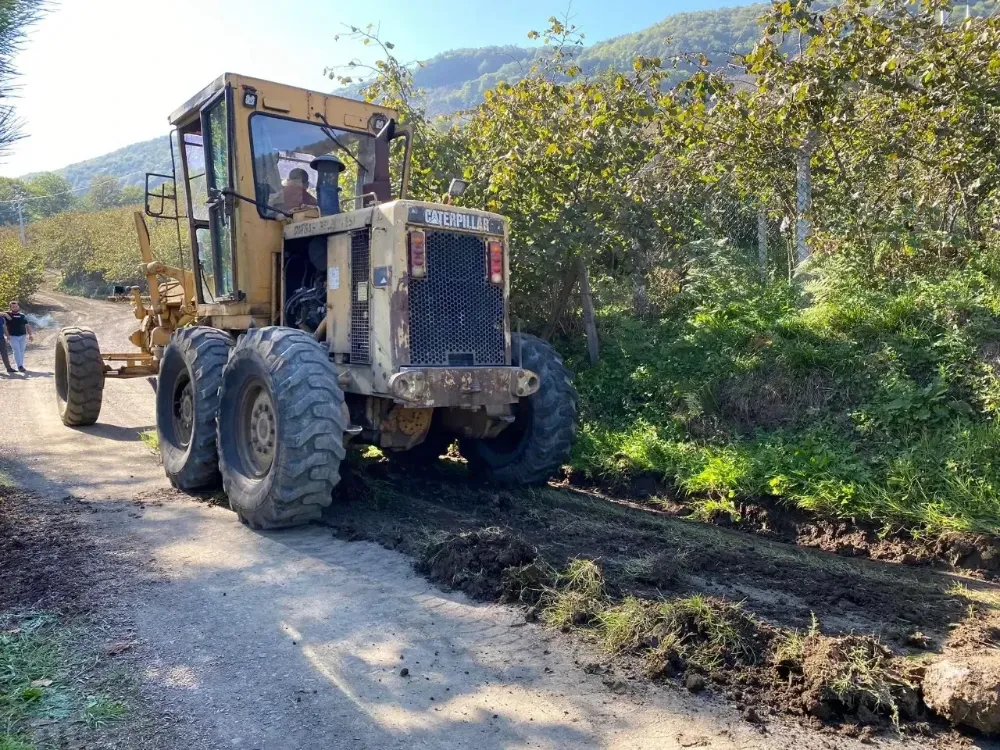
281,428
187,404
79,375
532,449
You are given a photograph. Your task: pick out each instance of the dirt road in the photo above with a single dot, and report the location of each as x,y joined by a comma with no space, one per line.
297,639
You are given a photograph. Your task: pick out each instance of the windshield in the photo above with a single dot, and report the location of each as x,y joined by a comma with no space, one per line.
282,151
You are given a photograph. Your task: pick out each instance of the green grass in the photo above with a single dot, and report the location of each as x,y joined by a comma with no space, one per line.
875,401
101,711
151,439
39,656
576,596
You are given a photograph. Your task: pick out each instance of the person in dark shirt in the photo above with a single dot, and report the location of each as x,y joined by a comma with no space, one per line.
19,333
296,190
3,346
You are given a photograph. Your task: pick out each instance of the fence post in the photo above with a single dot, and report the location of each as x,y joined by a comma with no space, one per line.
762,240
589,316
803,198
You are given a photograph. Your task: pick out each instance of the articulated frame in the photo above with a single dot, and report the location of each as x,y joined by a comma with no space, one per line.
171,305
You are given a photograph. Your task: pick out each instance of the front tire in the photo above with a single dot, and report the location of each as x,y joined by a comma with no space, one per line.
79,375
281,428
187,404
538,443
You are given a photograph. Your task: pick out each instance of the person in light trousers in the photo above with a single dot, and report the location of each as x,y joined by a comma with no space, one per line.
19,333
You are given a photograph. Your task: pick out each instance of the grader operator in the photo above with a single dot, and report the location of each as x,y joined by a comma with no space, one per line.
355,314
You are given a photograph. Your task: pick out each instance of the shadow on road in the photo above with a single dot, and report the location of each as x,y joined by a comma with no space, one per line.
115,432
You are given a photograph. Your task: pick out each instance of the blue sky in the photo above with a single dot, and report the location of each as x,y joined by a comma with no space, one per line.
100,74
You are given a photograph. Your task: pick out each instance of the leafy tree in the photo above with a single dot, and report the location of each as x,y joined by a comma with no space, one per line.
48,194
11,191
15,17
104,192
132,195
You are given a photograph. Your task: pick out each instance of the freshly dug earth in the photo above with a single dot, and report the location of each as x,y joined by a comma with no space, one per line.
970,553
46,564
855,675
475,561
447,520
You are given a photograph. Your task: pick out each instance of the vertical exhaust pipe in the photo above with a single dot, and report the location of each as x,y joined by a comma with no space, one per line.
328,169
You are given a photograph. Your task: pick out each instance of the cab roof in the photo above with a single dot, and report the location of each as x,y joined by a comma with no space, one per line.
278,97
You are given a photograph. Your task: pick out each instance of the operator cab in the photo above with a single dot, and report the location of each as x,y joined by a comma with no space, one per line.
249,155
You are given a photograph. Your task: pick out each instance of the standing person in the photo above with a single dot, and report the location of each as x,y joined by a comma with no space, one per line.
3,346
19,333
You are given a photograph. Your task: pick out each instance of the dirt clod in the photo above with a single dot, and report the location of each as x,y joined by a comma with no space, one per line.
966,691
855,675
695,682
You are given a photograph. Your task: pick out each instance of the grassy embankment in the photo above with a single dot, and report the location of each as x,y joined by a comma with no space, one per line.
867,399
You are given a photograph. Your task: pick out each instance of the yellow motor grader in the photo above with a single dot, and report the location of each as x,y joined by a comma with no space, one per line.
320,305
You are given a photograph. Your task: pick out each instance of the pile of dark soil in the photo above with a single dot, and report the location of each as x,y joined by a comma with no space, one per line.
46,563
475,561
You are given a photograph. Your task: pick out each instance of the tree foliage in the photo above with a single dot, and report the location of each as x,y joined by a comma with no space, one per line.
15,18
874,394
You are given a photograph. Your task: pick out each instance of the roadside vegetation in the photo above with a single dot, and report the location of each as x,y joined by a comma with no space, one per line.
93,250
855,374
41,658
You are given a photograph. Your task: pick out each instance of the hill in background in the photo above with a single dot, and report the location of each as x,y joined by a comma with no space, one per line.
457,79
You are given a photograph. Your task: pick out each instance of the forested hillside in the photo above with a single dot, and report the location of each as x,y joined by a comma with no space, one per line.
458,79
127,164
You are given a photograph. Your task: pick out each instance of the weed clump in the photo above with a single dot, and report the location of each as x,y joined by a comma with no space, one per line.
697,631
527,584
704,633
850,675
576,597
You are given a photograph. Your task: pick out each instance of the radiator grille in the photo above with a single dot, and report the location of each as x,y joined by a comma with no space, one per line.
360,273
456,315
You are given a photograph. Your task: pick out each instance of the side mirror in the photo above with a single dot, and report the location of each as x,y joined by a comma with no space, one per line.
158,195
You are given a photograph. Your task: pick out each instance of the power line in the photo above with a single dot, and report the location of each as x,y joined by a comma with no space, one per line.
66,192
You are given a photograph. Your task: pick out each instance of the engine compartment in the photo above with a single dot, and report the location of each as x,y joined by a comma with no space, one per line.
305,283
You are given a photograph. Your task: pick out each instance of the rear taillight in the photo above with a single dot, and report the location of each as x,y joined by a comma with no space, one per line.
495,249
418,254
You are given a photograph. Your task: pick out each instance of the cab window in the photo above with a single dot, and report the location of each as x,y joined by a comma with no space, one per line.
283,150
